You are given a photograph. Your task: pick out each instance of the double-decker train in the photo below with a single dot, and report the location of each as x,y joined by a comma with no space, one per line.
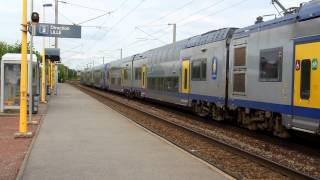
264,77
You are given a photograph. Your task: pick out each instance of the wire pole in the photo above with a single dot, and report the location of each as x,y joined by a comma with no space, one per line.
43,70
121,54
56,46
30,66
56,22
174,32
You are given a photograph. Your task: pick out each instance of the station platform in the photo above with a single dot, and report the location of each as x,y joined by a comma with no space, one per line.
81,138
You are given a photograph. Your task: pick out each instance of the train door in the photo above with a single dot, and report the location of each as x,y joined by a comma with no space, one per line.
144,77
185,77
307,76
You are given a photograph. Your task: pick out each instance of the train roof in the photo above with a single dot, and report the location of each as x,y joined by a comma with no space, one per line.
307,11
210,37
98,67
205,38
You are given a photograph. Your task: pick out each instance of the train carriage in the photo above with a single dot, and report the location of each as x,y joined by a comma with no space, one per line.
204,68
163,73
114,76
265,76
98,76
272,82
126,75
139,74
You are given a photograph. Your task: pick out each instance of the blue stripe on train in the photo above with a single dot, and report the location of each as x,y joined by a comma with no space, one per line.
280,108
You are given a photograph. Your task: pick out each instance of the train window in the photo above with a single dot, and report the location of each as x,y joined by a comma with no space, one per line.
199,70
137,73
196,71
240,56
204,70
150,84
239,82
113,80
271,65
125,74
118,81
175,84
305,79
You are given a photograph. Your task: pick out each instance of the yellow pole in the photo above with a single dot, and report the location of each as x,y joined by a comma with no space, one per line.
43,77
23,80
43,71
51,81
49,74
53,77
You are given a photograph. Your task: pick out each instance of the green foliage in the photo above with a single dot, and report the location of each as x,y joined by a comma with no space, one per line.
13,48
66,74
8,48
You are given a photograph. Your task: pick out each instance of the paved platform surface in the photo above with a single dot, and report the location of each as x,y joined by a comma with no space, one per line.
81,138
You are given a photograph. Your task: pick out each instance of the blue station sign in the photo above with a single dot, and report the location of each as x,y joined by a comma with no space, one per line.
57,30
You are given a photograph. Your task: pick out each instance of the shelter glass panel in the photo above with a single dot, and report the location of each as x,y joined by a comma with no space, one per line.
12,85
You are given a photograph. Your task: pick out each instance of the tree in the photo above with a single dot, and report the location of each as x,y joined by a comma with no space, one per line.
66,74
13,48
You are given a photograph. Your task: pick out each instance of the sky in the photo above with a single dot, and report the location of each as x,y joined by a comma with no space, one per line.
134,26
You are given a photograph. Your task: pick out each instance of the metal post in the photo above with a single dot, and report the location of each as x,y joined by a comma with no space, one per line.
56,22
103,60
56,46
55,78
174,32
121,54
43,70
51,76
23,80
30,66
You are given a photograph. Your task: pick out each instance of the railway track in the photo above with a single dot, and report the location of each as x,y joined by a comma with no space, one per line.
286,171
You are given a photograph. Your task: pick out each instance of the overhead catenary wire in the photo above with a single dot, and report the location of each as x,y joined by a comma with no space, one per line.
94,18
169,14
65,17
180,23
119,21
219,11
196,12
82,6
185,5
150,35
192,14
113,11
